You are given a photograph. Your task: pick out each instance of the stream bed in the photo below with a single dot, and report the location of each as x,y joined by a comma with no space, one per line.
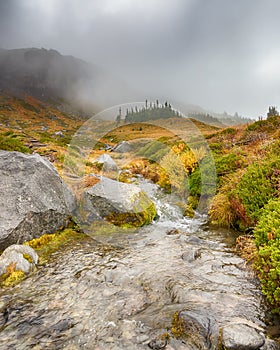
121,291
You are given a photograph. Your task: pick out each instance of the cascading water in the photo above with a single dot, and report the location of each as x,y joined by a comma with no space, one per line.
121,291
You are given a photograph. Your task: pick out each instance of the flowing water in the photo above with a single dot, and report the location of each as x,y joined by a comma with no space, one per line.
120,291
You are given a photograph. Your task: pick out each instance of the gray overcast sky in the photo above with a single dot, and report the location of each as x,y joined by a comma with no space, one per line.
219,54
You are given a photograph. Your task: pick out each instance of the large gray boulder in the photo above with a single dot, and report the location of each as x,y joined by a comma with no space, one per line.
33,198
119,203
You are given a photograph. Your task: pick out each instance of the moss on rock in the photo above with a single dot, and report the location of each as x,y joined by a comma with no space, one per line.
178,326
47,244
13,278
133,219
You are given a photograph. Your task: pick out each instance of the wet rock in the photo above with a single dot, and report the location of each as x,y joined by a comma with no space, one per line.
242,337
191,255
122,147
194,240
198,330
108,163
33,200
172,232
158,343
17,254
270,345
63,325
119,203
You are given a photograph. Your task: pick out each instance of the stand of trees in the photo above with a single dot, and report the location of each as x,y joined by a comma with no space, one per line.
150,111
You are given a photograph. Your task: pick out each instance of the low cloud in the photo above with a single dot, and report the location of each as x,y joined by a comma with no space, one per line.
218,54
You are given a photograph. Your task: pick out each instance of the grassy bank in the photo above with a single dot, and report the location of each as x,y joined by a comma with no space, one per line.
248,196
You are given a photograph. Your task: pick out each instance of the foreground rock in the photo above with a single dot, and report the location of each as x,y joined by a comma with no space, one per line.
119,203
23,256
34,199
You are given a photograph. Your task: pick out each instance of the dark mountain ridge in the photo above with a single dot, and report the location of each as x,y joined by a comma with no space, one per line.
43,74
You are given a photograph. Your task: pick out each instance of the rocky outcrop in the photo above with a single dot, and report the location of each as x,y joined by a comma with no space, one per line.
119,203
23,256
34,199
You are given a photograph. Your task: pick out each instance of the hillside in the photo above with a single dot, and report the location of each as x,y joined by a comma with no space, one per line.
30,125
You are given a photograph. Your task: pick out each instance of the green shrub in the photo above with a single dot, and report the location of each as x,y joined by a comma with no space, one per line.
268,266
216,146
227,164
228,131
267,239
9,142
268,227
267,125
257,186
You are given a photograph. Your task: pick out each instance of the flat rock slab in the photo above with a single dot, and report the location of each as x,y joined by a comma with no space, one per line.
33,198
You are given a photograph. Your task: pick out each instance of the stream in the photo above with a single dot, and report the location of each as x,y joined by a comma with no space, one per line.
121,291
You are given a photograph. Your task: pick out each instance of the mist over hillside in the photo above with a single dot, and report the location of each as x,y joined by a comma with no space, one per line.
72,84
58,79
